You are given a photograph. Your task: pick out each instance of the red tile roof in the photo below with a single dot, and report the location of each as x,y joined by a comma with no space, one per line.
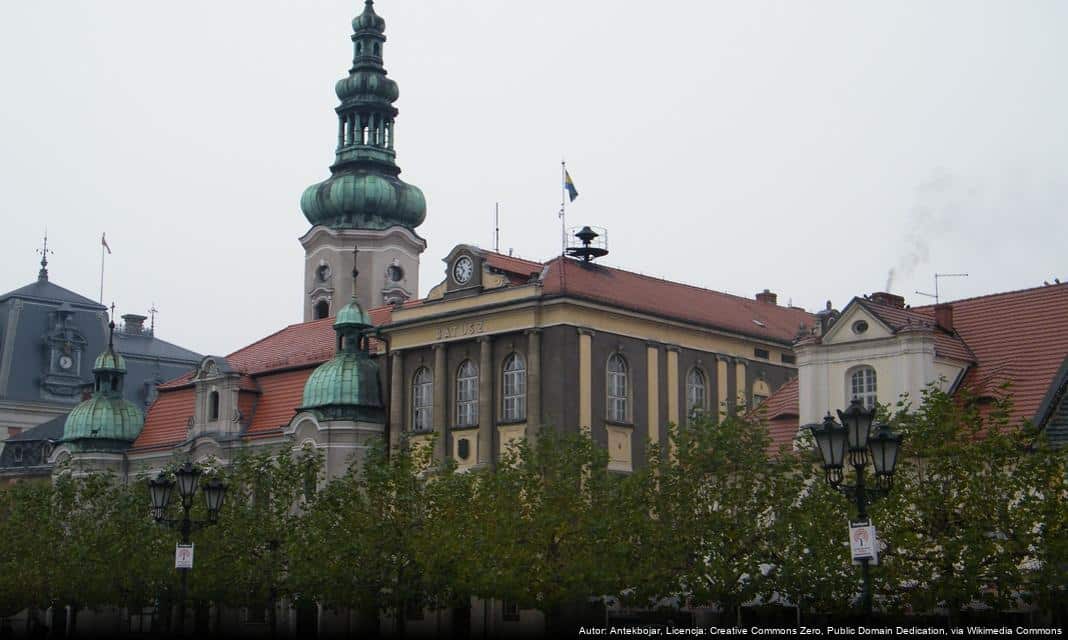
780,412
664,298
1016,337
946,344
273,372
282,394
519,270
167,419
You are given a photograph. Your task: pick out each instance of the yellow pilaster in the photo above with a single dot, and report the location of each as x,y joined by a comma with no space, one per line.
739,385
721,386
653,393
585,380
673,391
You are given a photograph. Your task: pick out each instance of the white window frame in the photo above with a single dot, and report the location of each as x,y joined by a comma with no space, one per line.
467,394
423,400
863,383
514,389
696,406
617,389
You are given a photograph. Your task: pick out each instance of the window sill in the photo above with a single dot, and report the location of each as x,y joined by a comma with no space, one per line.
507,423
613,423
466,427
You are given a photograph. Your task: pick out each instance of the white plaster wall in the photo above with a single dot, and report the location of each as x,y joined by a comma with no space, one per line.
904,363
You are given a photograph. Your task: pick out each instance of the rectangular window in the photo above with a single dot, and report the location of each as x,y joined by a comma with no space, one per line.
515,390
761,353
424,406
788,359
467,402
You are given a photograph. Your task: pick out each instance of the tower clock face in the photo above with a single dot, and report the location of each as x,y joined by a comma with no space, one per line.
65,362
463,269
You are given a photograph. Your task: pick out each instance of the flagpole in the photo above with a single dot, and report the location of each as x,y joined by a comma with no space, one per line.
563,207
101,270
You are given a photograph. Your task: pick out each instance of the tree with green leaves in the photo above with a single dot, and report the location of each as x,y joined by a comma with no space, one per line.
719,498
550,525
357,547
243,560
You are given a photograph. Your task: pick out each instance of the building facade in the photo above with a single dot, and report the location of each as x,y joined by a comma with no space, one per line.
49,339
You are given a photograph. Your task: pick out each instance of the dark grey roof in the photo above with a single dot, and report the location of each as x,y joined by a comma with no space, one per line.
30,333
46,291
51,430
145,345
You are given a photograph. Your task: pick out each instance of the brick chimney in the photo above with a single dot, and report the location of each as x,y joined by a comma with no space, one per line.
944,316
888,299
767,297
134,324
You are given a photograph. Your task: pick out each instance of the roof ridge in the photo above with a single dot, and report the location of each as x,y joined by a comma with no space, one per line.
511,257
694,286
1043,287
280,331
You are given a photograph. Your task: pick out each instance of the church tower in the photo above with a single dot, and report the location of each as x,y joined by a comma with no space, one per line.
363,202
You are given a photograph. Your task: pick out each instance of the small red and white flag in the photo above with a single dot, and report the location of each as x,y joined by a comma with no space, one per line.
104,242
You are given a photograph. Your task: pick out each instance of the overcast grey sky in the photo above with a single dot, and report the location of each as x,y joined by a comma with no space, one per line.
806,147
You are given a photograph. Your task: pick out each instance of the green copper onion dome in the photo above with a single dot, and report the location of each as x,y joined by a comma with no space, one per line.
104,422
109,361
347,386
363,191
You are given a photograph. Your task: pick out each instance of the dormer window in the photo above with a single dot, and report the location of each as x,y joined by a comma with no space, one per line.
213,406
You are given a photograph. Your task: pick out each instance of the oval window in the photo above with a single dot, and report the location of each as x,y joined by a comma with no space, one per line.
860,326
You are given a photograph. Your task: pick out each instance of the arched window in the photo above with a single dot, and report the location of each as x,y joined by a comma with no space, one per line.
322,309
422,400
696,393
467,395
515,388
618,409
863,385
213,405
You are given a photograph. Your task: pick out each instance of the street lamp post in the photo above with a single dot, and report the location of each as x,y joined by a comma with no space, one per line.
160,490
854,435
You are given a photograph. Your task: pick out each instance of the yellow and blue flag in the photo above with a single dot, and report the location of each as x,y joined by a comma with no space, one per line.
572,192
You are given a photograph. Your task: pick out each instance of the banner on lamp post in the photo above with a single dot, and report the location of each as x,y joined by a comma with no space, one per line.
183,556
863,543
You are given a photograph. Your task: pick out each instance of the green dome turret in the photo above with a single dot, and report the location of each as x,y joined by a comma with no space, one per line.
363,191
105,422
347,386
109,361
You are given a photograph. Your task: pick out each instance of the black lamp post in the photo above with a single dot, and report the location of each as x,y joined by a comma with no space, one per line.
160,490
854,435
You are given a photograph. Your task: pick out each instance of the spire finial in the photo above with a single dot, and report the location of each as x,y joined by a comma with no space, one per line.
111,329
44,251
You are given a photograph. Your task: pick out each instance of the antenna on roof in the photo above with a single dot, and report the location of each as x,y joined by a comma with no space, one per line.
497,227
152,312
936,277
